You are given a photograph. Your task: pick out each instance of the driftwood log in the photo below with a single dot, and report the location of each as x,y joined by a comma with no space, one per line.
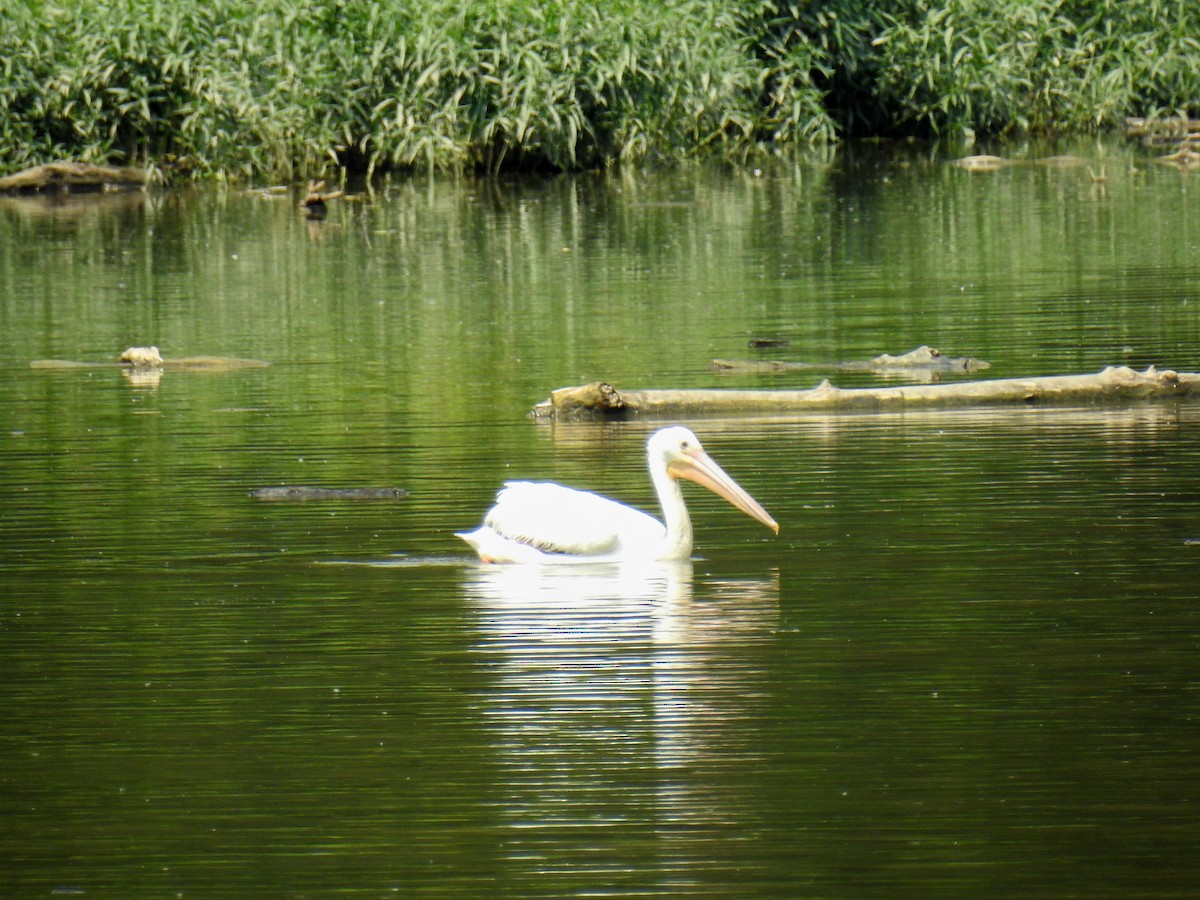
1172,127
68,176
922,358
148,359
1116,384
178,364
317,198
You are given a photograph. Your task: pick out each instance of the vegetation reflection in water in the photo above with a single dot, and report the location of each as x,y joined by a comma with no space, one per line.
964,666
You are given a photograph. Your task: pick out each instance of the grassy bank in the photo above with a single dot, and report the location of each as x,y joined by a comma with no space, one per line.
283,88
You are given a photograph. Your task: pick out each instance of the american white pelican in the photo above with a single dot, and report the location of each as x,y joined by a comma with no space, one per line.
549,523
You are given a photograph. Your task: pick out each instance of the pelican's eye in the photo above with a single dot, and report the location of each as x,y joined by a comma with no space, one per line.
683,445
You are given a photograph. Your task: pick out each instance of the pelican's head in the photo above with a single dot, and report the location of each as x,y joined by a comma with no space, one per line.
678,451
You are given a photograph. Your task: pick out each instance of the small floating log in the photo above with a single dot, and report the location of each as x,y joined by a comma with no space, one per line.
982,163
995,163
148,359
73,176
1115,384
1184,158
922,358
1164,132
925,357
317,198
270,192
1169,127
303,492
212,363
66,364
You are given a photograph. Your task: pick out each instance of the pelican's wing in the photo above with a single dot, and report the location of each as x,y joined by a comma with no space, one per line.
556,519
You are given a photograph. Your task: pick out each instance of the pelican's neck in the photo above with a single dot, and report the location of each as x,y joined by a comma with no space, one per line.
677,543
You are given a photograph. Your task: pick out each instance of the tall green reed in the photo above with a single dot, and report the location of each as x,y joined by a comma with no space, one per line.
997,65
287,88
282,87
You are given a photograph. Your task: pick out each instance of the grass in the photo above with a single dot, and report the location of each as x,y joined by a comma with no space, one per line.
287,89
1040,65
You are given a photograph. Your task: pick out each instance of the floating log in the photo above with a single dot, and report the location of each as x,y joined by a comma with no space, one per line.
67,364
1184,158
982,163
73,176
1115,384
271,192
148,359
919,359
182,363
302,492
212,363
996,163
1172,127
316,199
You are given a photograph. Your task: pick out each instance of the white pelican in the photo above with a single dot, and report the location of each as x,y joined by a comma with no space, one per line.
549,523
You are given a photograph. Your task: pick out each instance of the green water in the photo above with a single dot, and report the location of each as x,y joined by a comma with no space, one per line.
966,666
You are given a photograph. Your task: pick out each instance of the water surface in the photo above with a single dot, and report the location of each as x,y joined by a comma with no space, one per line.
965,666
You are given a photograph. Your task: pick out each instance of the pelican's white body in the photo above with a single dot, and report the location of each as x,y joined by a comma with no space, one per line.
549,523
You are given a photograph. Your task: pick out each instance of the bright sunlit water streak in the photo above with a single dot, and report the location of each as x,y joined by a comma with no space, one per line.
965,666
